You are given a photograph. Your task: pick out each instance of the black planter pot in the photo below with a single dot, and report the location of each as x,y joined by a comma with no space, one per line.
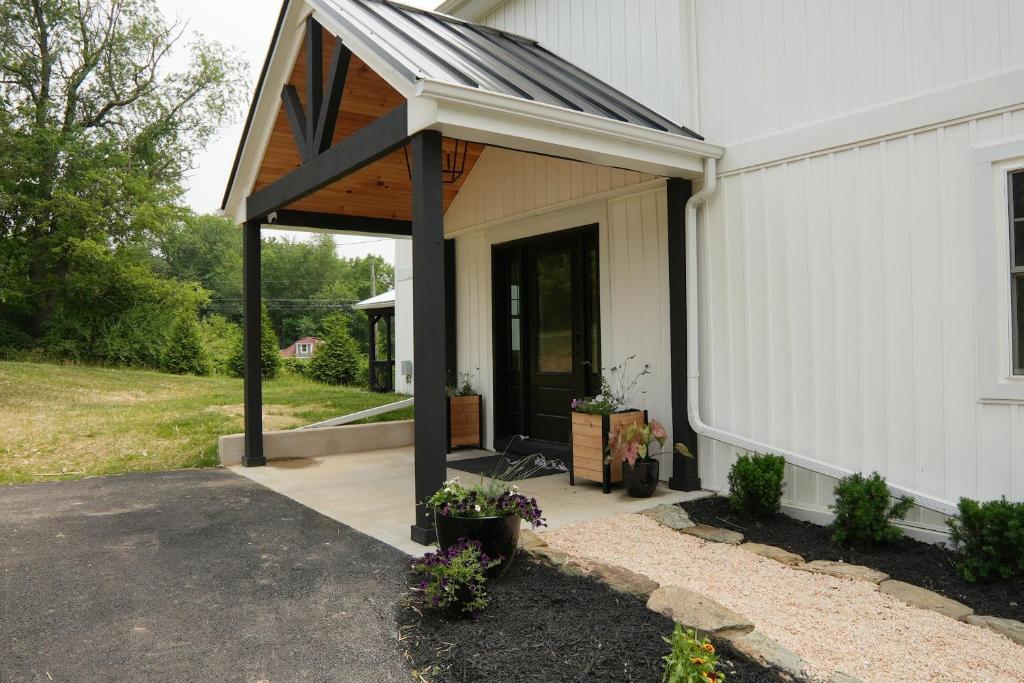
642,478
498,536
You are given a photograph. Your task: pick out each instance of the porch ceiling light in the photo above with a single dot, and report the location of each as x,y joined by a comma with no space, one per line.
454,162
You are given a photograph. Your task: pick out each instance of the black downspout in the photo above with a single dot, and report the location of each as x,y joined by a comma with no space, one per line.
429,328
685,472
252,312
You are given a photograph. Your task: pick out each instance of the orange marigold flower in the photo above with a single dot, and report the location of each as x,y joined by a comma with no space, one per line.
711,676
697,660
708,647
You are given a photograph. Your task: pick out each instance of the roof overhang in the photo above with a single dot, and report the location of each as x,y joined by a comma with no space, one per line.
469,9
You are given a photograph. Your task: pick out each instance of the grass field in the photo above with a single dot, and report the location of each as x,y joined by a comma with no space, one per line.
68,422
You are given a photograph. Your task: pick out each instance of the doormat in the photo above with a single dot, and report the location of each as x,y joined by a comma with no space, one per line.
530,466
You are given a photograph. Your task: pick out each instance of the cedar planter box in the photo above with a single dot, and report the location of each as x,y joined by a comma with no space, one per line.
590,441
465,422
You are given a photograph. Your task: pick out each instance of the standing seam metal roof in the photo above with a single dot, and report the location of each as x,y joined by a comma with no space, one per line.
422,44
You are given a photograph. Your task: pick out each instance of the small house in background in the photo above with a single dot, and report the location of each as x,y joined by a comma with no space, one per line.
302,348
381,308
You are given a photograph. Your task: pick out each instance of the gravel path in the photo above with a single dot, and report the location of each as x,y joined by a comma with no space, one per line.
833,623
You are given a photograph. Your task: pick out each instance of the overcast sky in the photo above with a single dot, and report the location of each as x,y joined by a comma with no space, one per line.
247,25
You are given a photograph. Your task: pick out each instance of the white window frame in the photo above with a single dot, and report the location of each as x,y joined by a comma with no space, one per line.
993,164
303,349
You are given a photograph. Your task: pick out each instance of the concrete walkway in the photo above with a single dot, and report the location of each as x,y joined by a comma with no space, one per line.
373,492
189,576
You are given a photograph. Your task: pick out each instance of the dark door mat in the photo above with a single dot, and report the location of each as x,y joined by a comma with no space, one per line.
543,626
922,564
531,466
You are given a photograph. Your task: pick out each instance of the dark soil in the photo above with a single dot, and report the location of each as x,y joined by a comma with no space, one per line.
544,626
922,564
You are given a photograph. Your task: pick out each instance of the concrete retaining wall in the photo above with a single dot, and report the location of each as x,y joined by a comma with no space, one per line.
310,443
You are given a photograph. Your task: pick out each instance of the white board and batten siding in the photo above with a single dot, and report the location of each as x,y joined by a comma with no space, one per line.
840,283
631,213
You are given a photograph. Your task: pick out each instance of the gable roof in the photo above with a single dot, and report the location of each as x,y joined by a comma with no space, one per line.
385,300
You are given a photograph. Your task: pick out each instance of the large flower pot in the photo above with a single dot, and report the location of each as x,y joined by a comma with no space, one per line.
465,422
590,443
642,478
498,536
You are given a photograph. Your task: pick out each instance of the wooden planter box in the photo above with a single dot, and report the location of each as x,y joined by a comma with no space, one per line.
465,422
589,442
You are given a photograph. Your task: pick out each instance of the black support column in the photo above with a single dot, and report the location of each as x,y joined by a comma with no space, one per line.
251,282
685,475
430,342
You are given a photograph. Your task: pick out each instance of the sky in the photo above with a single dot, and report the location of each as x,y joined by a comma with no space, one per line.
247,25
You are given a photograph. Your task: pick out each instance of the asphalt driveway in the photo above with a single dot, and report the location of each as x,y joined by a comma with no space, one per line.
189,576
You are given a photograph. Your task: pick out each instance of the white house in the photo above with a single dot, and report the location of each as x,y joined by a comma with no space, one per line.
825,269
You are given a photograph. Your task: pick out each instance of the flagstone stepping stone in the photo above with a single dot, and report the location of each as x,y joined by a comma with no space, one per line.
840,677
714,534
530,539
765,650
621,579
772,553
672,516
844,570
697,611
915,596
1014,630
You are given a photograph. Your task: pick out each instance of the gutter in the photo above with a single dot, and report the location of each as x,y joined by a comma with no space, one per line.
693,368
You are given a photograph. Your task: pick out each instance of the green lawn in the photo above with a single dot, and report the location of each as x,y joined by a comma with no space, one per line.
68,422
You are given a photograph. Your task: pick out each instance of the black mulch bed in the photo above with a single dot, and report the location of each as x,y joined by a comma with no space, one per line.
922,564
489,464
544,626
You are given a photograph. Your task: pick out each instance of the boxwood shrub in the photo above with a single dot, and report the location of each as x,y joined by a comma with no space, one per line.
755,484
989,539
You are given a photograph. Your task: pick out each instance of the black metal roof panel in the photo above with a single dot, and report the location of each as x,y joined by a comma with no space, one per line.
426,45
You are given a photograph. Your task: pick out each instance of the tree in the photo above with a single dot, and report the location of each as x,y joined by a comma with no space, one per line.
270,352
338,359
220,339
185,353
96,132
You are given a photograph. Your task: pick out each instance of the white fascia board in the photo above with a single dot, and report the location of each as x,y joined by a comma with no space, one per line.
470,10
268,103
495,119
1001,90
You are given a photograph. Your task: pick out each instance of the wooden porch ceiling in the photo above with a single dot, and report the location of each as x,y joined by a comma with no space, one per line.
382,189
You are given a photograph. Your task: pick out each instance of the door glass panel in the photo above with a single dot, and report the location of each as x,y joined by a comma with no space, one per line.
554,311
595,310
515,339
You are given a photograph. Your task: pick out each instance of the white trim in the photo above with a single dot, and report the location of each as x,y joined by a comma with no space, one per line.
528,126
471,10
894,119
361,415
992,162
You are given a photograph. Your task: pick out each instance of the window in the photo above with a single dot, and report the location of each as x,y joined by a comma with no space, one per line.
303,349
1016,192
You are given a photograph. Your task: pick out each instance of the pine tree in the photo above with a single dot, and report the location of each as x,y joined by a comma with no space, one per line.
185,353
270,352
338,359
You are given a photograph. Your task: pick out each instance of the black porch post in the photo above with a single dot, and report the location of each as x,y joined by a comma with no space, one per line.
251,282
429,329
685,475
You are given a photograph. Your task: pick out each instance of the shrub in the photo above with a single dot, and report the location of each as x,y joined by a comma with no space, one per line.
755,484
270,352
338,359
295,366
185,354
454,578
989,538
220,339
692,660
865,510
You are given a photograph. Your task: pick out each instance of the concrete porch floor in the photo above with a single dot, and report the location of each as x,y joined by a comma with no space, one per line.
372,491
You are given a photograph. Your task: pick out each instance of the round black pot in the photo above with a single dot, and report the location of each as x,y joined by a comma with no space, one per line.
498,536
642,478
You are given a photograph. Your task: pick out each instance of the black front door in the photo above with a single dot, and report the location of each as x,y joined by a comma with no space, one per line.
546,332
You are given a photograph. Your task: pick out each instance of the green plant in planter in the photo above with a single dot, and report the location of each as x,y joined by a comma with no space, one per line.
865,510
619,388
462,385
755,484
989,538
692,660
454,579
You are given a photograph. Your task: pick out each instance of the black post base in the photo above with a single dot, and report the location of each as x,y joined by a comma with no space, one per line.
253,462
423,535
684,483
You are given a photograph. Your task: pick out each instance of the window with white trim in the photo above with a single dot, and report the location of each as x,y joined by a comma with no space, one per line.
1015,184
303,349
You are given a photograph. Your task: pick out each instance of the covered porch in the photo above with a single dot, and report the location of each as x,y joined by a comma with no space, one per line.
368,119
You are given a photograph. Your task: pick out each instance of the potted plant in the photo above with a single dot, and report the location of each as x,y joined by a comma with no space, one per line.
632,446
593,419
465,414
489,512
453,580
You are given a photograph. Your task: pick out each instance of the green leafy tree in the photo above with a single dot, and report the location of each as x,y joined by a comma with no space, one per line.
220,339
270,352
96,132
338,359
207,250
185,354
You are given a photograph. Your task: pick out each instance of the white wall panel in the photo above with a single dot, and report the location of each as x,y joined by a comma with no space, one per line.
838,297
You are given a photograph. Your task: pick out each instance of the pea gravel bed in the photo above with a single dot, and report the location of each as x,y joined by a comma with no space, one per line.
835,624
543,626
922,564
